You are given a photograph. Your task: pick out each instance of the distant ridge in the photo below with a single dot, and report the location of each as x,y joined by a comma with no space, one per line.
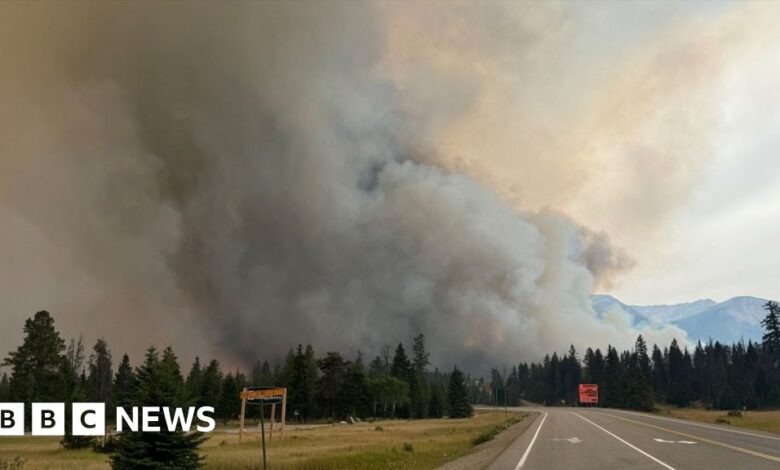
738,318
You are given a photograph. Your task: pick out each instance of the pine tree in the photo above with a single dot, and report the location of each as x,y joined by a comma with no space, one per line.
419,388
159,384
302,380
458,395
660,375
5,389
402,369
194,382
639,393
99,387
678,393
211,385
124,383
38,367
354,390
333,368
771,338
436,409
230,399
613,380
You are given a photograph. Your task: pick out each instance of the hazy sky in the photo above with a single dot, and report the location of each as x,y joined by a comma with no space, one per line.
656,122
720,239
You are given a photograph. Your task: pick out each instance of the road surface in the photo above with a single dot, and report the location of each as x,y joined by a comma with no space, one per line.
594,438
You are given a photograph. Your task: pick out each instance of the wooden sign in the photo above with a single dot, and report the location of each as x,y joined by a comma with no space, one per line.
263,394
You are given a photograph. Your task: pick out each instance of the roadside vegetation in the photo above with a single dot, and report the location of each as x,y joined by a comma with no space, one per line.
745,375
401,444
325,389
758,420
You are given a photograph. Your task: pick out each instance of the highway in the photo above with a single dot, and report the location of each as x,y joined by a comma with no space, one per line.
596,438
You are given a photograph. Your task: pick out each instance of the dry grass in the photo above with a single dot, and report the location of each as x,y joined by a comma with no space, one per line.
758,420
400,444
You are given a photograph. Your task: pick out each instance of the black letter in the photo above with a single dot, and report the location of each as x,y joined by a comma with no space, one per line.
84,422
47,416
7,419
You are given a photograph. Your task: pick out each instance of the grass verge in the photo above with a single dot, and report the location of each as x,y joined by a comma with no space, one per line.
765,420
390,444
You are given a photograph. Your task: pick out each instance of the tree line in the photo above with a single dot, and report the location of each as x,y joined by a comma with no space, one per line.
716,375
330,387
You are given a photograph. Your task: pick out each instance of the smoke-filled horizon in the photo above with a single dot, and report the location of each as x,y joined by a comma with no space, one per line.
235,181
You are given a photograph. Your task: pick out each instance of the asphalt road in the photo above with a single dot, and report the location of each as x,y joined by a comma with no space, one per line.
594,438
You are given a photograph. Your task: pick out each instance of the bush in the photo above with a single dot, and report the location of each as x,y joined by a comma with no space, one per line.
735,413
379,428
721,420
408,447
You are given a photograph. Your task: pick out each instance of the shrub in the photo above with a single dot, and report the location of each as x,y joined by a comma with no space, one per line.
408,447
721,420
735,413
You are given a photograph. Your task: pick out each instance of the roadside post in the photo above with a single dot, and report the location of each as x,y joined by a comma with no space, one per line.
262,396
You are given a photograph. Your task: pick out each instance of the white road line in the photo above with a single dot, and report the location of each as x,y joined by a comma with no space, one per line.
689,423
528,450
626,442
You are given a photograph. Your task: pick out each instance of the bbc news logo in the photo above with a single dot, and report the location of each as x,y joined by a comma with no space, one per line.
89,419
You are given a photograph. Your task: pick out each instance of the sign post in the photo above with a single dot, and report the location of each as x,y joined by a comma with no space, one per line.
261,396
589,394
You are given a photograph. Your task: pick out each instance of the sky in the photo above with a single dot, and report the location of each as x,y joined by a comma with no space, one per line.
656,123
347,174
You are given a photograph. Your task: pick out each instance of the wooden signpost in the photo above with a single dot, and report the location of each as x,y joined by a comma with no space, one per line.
262,396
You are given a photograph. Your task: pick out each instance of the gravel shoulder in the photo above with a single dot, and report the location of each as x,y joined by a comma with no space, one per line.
484,454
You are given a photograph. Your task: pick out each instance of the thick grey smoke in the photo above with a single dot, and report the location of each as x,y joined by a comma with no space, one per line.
237,179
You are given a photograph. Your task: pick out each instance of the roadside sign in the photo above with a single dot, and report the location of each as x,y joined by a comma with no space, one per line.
266,395
589,393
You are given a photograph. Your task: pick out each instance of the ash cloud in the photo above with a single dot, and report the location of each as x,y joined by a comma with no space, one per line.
234,181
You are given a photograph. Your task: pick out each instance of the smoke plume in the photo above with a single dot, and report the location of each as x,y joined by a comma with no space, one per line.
236,179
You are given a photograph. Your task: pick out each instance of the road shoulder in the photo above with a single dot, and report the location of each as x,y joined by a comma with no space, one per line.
484,454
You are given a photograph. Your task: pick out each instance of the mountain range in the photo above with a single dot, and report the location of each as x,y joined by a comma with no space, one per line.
738,318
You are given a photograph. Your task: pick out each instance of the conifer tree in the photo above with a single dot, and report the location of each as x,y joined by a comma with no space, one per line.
771,338
124,383
458,395
159,383
419,388
38,367
194,382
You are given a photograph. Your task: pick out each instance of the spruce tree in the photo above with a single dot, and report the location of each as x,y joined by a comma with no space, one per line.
402,369
333,368
211,385
124,383
420,389
230,400
159,383
436,409
458,395
5,391
100,381
194,381
613,380
771,338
